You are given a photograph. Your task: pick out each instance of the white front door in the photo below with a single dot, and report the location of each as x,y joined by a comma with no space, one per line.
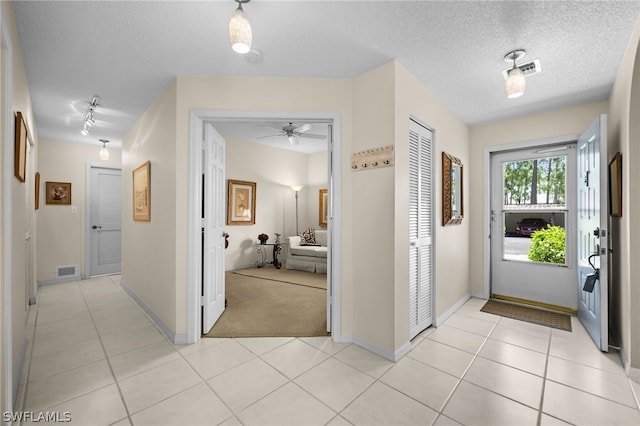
214,221
531,190
593,232
104,221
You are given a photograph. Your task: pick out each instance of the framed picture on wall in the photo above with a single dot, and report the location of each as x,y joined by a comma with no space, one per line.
58,192
241,202
142,193
615,186
37,191
20,149
323,208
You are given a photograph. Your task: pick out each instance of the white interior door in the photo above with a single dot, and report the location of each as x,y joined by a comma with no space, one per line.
214,221
593,231
329,228
104,221
533,186
420,228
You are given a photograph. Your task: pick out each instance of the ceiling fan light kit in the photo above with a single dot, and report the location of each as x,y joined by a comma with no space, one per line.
515,84
104,152
240,35
294,132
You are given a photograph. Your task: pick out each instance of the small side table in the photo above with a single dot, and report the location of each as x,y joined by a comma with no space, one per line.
261,251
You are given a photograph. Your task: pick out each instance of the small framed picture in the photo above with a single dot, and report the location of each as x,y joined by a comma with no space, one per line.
20,150
615,186
323,208
241,202
37,191
58,192
142,193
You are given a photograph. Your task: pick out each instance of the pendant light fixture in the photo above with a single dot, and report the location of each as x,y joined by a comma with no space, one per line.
104,152
515,84
240,29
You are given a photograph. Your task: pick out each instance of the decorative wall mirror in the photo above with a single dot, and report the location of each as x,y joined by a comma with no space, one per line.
452,199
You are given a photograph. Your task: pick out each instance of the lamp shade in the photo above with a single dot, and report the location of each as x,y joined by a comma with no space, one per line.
240,31
104,153
515,84
296,188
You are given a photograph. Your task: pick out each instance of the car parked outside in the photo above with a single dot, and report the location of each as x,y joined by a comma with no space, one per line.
526,227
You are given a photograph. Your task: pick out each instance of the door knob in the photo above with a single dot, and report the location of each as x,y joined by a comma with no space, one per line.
96,227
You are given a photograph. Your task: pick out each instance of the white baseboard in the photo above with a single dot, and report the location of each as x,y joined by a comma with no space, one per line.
392,356
442,318
59,280
178,339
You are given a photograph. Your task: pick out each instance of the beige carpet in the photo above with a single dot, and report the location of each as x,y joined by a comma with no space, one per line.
525,313
291,276
259,307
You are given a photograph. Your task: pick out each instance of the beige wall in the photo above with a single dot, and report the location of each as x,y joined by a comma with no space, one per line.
149,248
624,134
20,289
563,122
273,170
316,180
61,233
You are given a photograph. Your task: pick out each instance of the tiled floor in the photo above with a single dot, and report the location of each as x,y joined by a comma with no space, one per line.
97,356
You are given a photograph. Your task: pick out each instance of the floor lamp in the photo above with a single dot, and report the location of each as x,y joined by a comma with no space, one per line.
296,189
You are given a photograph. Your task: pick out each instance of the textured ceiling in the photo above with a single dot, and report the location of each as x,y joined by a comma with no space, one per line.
129,51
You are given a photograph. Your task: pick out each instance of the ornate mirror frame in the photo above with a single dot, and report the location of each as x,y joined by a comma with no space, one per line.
452,190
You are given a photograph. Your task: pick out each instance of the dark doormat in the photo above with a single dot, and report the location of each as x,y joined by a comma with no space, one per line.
525,313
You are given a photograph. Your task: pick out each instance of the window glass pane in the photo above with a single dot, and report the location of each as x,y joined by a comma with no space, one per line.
534,210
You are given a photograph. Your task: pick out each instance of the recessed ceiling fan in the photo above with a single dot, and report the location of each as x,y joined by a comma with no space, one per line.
294,132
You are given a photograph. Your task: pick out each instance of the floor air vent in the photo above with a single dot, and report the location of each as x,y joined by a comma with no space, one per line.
65,271
528,69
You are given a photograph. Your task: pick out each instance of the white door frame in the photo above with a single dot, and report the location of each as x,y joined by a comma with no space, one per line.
87,214
486,180
197,118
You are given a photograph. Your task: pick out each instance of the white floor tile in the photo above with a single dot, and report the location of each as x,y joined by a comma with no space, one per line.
334,383
118,343
67,358
288,405
443,357
382,405
100,407
515,356
460,339
204,343
247,383
142,359
218,359
154,385
294,358
599,382
426,384
581,408
262,345
325,344
518,337
195,406
472,325
54,390
472,405
338,421
443,420
587,354
363,360
506,381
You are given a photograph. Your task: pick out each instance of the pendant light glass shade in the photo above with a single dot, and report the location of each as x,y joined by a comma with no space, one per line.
240,31
515,84
104,153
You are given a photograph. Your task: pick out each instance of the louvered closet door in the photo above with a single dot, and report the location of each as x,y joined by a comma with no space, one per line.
420,227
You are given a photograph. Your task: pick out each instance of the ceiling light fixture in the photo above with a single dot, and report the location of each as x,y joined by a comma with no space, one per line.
88,117
240,29
293,140
515,84
104,152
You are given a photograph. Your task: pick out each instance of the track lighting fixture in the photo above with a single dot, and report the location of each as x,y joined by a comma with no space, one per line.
240,29
515,84
88,117
104,153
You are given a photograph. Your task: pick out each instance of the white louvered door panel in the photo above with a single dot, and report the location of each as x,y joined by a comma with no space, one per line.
420,227
105,217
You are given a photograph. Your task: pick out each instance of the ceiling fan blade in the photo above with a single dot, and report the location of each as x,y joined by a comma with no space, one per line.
312,136
304,128
270,136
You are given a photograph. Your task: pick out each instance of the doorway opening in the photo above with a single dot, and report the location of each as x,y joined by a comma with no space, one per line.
246,254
